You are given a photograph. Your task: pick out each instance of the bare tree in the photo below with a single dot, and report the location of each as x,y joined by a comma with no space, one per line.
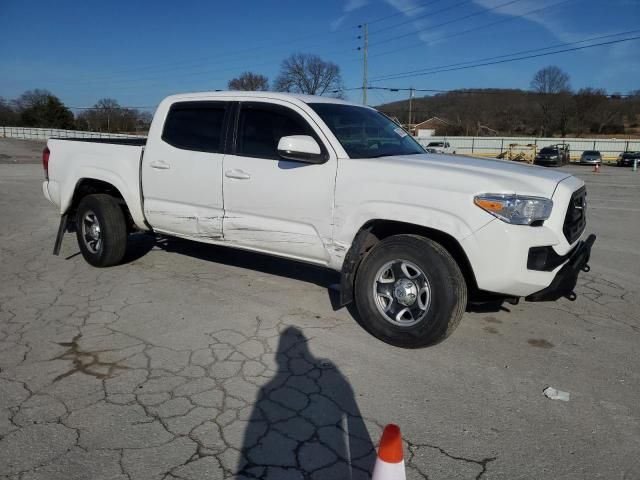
551,84
249,81
8,114
589,103
550,80
517,112
309,74
108,115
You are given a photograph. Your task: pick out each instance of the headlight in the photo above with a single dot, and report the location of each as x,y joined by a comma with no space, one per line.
515,209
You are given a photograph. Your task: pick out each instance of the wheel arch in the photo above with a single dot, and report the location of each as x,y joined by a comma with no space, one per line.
376,230
89,186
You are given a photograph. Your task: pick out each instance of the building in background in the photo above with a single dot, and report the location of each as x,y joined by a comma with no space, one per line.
428,127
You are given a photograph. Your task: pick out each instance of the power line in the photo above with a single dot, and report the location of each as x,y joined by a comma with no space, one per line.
158,70
521,52
465,91
402,12
455,67
430,14
480,27
504,20
182,74
458,19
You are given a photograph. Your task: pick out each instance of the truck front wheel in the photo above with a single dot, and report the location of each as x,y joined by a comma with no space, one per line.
410,292
101,230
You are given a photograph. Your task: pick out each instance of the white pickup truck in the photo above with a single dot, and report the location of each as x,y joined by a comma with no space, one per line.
334,184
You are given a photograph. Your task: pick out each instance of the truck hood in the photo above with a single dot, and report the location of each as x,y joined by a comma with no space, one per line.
474,175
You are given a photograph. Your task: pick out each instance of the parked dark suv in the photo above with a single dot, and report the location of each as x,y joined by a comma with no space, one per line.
553,156
626,159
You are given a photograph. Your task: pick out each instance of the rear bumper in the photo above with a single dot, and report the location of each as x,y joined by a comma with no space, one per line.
565,281
626,162
45,191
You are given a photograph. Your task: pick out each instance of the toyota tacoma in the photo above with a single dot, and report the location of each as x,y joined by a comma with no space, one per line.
319,180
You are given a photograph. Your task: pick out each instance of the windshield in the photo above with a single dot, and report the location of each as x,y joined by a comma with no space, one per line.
436,144
591,152
366,133
549,150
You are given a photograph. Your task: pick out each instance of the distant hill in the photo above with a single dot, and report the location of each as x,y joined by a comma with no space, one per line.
491,112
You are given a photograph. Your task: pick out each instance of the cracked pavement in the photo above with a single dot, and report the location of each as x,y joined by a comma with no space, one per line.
193,362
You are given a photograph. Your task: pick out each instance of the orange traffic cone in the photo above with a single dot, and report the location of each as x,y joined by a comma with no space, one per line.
390,462
596,168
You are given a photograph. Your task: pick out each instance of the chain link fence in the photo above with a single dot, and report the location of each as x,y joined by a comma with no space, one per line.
494,146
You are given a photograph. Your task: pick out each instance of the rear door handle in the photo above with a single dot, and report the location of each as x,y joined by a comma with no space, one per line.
239,174
160,165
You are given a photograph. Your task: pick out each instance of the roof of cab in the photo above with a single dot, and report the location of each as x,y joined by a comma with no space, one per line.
272,95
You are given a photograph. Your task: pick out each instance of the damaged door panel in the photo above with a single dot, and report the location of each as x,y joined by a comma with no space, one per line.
273,204
182,171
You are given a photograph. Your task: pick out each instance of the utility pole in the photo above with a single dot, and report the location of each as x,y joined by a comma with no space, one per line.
365,66
410,107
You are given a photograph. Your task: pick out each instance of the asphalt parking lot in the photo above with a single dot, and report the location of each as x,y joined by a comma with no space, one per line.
193,362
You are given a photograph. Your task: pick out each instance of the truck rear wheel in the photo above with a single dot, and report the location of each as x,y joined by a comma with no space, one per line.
410,292
101,230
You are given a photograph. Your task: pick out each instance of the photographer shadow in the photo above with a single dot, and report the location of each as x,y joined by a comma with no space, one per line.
305,422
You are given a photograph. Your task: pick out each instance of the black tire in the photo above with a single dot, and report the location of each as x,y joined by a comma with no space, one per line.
448,298
112,230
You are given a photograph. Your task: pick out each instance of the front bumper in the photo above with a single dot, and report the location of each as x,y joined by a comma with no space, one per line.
565,281
546,162
498,252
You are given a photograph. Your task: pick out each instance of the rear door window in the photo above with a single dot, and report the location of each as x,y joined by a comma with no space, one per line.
196,126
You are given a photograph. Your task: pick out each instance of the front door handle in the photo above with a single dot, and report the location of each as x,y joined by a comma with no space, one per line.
239,174
160,165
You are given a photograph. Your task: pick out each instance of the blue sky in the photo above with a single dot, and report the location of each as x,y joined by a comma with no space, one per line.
140,51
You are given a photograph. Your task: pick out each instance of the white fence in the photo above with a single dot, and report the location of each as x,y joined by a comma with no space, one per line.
493,146
480,146
27,133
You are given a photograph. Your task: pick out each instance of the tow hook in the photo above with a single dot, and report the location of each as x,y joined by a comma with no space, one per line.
571,296
586,268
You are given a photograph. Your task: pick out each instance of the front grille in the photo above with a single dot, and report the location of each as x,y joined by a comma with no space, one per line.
576,219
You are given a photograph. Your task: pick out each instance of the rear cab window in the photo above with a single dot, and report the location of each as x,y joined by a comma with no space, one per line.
197,126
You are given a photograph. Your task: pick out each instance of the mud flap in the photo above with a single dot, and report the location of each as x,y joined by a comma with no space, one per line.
62,228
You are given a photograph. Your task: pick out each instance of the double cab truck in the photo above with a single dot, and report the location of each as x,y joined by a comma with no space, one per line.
319,180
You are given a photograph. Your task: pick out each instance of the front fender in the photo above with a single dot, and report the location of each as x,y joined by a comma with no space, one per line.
347,224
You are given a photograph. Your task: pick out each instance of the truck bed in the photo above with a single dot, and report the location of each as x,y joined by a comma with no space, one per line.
115,161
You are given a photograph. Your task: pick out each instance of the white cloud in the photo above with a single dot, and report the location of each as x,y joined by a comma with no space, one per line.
352,5
337,22
349,6
410,7
556,24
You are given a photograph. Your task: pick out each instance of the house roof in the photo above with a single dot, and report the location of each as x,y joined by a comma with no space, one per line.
432,122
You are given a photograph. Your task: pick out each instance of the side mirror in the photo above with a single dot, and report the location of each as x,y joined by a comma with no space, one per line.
300,148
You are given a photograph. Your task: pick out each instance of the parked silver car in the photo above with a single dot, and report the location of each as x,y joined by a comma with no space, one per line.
590,157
